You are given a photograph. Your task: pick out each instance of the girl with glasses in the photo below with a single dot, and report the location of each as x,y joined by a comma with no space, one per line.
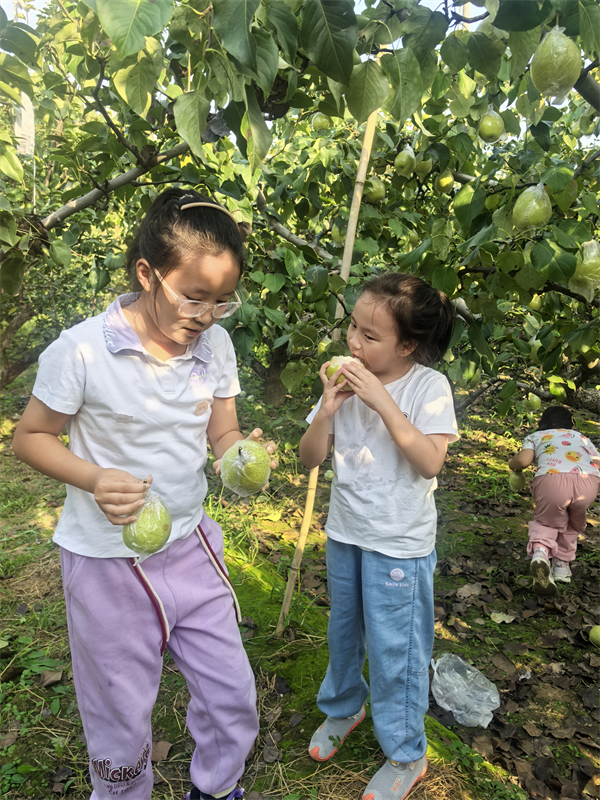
141,389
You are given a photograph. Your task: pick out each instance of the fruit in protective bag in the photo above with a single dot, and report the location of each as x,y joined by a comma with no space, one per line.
245,467
586,278
151,529
533,208
491,126
405,162
517,481
556,65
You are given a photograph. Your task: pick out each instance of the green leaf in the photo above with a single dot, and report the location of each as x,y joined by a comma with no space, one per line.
286,25
509,388
190,112
329,35
454,52
275,315
128,22
408,259
478,341
10,164
516,15
558,176
317,278
522,45
482,236
232,23
445,279
293,374
468,204
404,73
367,90
60,253
463,144
483,55
541,133
12,271
8,229
267,60
18,42
529,278
589,27
243,341
552,262
255,130
98,279
424,30
136,82
274,281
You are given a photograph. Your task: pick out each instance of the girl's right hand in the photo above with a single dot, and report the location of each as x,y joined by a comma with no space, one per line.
119,495
333,396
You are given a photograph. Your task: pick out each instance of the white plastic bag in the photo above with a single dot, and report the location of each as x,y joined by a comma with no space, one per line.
151,529
464,690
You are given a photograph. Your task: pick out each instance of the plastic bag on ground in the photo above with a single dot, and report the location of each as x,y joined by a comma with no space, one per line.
464,690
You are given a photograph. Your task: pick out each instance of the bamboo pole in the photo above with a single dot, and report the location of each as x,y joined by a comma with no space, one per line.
297,560
361,175
359,185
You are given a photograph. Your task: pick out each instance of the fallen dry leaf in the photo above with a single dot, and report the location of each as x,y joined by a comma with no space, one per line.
50,678
160,750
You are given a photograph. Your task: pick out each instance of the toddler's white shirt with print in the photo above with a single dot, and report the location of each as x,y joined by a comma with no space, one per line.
562,450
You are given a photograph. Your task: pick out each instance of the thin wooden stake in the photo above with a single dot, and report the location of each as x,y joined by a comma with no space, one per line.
361,175
297,560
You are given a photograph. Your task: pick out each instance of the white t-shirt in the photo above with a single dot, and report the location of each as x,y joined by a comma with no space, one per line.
133,412
378,500
562,450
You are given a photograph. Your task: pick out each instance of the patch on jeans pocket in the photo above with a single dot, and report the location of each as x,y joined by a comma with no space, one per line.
397,574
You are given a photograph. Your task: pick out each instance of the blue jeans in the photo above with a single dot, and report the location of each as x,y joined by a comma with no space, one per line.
382,605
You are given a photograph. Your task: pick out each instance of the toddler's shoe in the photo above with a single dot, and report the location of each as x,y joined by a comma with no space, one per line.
196,794
394,781
561,571
541,570
331,735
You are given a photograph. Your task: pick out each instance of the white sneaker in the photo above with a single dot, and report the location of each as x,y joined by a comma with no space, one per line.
541,569
561,571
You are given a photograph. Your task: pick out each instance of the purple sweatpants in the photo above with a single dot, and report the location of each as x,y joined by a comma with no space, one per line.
117,625
561,502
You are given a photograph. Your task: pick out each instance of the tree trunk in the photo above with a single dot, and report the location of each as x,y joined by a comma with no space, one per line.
273,387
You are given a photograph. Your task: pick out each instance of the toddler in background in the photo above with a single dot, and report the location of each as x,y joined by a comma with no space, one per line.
564,487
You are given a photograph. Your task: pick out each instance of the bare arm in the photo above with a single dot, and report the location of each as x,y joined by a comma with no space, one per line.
36,442
523,459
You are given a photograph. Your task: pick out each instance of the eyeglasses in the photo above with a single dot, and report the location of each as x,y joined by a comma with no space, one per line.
196,308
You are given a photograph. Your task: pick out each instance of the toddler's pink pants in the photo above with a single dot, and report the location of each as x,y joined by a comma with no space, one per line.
116,636
561,502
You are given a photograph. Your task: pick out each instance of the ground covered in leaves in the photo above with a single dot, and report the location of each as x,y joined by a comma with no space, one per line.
542,743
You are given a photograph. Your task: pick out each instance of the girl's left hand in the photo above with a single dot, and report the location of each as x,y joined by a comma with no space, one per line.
270,447
366,385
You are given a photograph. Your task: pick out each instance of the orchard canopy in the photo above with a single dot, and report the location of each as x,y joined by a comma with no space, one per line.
262,105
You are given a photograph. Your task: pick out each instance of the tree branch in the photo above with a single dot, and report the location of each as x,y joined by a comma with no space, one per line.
287,234
585,163
96,95
589,89
25,314
92,197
